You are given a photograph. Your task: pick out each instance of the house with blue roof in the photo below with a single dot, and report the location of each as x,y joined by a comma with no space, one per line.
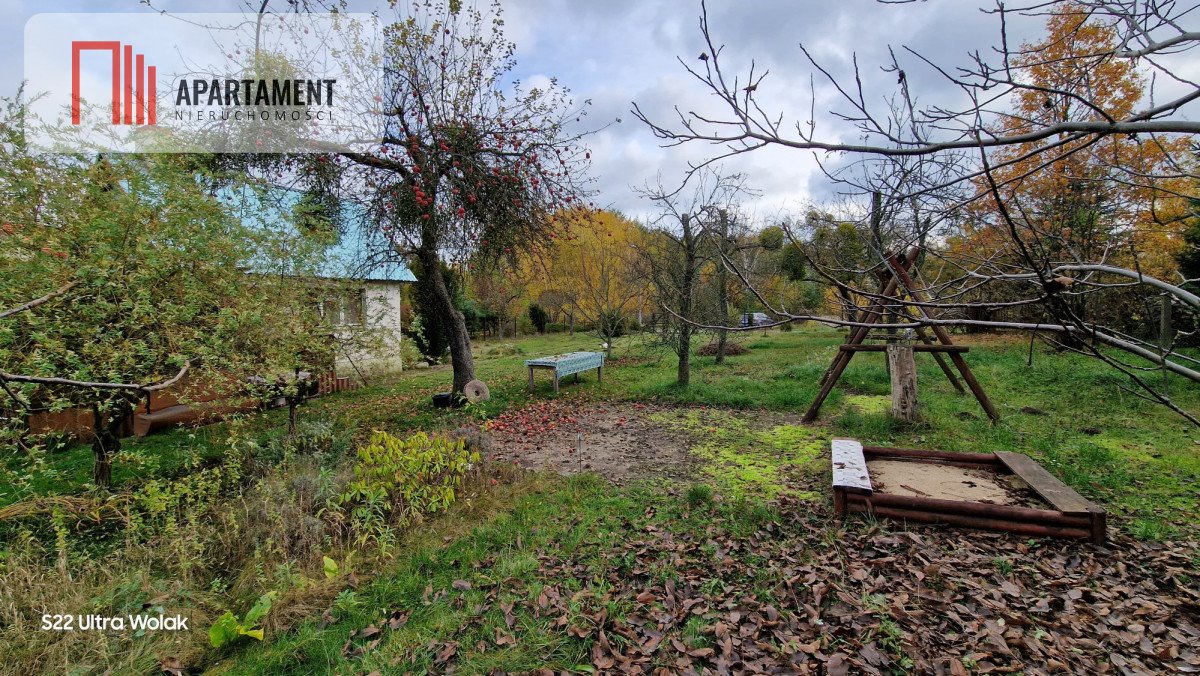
363,279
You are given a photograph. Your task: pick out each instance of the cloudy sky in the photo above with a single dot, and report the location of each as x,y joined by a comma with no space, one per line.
616,52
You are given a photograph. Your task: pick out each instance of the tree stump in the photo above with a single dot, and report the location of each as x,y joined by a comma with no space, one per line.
903,369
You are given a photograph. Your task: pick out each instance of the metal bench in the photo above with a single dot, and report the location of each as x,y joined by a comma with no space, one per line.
566,364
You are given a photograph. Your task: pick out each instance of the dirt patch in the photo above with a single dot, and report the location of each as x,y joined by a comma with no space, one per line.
947,482
617,440
761,454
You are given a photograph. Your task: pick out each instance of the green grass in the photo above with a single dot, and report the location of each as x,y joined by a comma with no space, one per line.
1138,459
1144,462
577,519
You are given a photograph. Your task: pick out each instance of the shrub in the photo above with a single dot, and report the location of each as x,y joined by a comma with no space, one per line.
538,317
732,349
409,354
611,324
524,326
429,343
432,332
407,478
312,438
476,317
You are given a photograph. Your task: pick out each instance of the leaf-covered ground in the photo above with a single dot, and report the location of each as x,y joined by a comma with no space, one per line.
581,577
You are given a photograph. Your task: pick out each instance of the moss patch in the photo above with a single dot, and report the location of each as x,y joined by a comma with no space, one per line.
743,460
869,403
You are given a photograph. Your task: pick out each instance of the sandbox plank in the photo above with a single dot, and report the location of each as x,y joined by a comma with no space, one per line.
1061,496
850,466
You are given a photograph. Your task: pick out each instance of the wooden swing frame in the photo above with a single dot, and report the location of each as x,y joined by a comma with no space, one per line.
895,283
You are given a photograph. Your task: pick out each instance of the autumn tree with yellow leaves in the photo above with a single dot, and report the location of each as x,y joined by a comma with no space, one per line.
590,273
1112,198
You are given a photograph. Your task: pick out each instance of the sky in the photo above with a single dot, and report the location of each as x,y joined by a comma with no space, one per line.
617,52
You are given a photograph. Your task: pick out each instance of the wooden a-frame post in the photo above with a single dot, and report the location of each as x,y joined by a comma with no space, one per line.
897,279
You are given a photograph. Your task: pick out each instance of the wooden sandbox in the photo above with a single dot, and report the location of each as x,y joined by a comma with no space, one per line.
991,491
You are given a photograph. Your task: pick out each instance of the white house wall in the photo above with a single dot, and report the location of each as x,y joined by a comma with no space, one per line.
383,316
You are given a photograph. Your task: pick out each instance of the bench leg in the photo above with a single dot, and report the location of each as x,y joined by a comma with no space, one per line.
531,379
839,503
556,382
600,374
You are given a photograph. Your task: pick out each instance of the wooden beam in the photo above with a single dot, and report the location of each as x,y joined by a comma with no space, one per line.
842,358
980,509
874,311
941,362
915,348
889,452
863,504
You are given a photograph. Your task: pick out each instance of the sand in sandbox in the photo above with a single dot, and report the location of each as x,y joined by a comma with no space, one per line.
945,482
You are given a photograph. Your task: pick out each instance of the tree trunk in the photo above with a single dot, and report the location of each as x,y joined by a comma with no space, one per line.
107,424
903,370
460,339
684,348
722,290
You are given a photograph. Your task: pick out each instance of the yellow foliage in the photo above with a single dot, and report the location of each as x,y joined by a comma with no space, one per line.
1086,197
591,267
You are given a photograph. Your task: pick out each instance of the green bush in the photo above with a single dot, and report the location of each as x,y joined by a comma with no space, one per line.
476,317
410,477
524,326
312,438
612,324
431,332
538,317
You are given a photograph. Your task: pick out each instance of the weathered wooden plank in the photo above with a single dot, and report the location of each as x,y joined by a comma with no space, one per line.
849,466
1061,496
949,456
916,348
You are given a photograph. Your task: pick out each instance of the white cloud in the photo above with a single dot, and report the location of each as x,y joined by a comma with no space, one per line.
619,51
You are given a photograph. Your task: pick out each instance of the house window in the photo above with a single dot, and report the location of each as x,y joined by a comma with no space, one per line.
344,310
352,307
